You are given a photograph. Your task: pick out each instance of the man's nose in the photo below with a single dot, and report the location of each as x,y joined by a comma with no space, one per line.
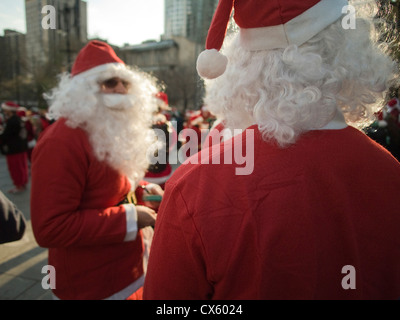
120,88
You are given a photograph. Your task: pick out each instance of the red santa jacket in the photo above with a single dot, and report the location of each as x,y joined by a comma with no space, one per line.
309,221
74,213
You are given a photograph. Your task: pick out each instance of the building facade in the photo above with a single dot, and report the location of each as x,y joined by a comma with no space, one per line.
13,63
171,62
44,52
173,59
54,45
13,57
189,18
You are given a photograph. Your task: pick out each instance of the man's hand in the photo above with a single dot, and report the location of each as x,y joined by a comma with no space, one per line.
153,189
146,217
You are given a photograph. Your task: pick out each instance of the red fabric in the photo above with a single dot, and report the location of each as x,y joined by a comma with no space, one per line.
215,135
74,214
30,130
139,192
285,231
165,173
253,14
219,25
261,13
190,133
9,105
18,168
159,178
94,54
44,123
163,97
392,102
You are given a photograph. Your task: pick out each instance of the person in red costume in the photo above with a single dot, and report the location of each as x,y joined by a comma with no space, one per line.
316,217
22,113
160,169
87,186
14,145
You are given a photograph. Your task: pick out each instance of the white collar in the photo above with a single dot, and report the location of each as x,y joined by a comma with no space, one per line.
337,123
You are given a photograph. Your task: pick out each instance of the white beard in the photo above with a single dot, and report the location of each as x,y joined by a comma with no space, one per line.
118,126
120,134
117,101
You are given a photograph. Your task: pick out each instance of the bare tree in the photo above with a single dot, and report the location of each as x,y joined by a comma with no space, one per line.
180,83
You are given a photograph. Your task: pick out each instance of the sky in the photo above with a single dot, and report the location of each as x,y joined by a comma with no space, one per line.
117,21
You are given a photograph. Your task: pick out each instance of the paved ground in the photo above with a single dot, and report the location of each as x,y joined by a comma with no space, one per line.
21,261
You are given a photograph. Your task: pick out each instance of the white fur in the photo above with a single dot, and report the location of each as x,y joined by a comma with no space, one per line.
211,64
290,91
119,136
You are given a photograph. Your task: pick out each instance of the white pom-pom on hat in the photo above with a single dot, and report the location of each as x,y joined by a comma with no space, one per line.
211,64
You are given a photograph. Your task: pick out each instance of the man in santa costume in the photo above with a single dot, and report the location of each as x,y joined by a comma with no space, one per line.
392,119
87,170
14,144
160,169
316,218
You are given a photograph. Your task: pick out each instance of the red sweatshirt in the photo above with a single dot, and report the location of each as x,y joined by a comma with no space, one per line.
289,230
74,213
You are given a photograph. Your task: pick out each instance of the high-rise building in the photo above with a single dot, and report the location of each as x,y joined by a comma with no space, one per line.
59,42
176,12
13,62
189,18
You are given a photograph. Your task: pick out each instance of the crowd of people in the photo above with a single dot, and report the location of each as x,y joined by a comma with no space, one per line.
20,128
318,202
386,128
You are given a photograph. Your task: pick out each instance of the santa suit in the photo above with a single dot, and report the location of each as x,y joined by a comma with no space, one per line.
79,220
285,231
15,138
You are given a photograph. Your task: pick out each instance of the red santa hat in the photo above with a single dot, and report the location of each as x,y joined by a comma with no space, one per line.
392,103
21,112
265,25
196,118
95,57
10,106
163,98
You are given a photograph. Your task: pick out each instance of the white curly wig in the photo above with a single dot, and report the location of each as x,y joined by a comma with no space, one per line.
287,92
120,137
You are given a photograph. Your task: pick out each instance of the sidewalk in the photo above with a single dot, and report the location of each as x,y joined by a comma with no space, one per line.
21,261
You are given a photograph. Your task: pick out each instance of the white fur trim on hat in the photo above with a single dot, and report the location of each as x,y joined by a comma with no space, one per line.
296,31
4,106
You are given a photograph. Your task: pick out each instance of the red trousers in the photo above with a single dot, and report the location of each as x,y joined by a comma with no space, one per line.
18,168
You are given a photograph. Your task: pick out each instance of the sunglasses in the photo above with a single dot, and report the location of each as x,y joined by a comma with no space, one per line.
113,82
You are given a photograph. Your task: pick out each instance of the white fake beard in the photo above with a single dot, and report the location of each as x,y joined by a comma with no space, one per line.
120,134
117,101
